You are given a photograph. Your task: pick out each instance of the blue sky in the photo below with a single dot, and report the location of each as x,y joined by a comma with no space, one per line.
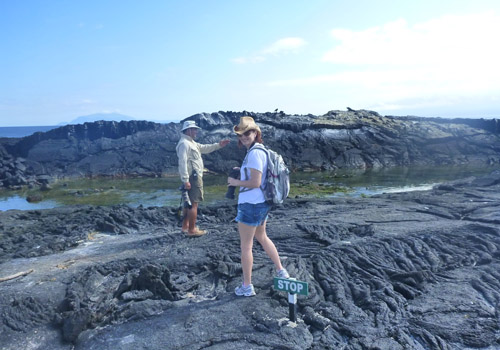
167,60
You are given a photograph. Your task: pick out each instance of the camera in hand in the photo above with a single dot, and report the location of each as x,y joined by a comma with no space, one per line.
235,174
185,197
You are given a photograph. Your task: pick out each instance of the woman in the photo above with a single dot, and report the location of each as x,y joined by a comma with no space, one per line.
252,207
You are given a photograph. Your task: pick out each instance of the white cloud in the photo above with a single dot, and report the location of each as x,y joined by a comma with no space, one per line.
285,46
438,61
252,59
452,39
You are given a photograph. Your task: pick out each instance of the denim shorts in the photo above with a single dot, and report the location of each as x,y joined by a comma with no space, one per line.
252,214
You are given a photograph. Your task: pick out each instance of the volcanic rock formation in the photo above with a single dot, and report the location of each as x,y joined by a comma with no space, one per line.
338,139
417,270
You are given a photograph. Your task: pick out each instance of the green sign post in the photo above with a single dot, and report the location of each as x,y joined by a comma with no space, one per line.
293,287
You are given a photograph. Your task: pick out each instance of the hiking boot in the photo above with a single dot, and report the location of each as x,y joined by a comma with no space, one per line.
196,233
244,291
283,273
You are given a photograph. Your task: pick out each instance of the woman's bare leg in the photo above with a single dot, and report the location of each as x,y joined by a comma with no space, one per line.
268,245
247,234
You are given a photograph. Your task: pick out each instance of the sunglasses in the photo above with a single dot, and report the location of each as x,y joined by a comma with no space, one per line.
246,133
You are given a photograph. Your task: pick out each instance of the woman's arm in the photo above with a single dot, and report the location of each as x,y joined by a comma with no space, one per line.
253,182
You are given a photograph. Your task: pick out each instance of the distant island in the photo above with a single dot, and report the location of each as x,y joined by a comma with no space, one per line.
109,117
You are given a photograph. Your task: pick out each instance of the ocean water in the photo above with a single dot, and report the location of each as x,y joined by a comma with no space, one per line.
165,191
20,203
22,131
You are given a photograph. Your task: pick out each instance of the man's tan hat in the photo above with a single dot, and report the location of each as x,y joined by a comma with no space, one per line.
246,123
188,124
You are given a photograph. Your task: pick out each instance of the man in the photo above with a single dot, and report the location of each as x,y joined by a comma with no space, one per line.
191,171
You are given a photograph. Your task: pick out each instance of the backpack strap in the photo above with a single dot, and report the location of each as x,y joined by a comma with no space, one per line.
247,176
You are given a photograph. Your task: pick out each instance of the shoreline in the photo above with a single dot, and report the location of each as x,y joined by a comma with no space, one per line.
163,191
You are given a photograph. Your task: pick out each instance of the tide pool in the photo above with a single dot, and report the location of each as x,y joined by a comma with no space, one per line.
165,191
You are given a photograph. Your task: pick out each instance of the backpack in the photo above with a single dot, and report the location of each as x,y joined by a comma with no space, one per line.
277,185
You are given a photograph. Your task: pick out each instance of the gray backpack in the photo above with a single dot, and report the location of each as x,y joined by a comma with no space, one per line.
277,185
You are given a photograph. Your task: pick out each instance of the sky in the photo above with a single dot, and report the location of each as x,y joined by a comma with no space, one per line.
167,60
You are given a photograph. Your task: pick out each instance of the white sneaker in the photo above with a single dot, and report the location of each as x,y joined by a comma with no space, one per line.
283,273
243,291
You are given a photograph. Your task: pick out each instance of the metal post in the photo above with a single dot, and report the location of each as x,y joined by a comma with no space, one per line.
292,304
292,307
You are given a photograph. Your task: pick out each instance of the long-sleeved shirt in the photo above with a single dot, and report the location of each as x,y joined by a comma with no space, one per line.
189,153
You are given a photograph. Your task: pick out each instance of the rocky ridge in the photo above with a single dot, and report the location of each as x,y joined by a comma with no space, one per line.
338,139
